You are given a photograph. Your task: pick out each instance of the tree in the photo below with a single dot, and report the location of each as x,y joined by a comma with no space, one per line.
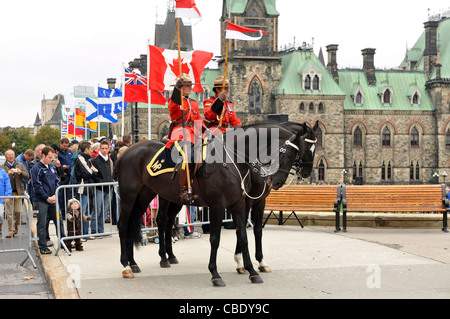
47,136
5,143
20,137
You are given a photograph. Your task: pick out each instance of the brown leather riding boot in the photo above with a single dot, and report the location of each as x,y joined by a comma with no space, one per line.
185,196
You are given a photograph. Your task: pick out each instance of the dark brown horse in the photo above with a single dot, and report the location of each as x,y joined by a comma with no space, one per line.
247,163
302,166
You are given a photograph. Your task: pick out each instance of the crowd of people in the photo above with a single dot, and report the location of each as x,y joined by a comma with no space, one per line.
39,172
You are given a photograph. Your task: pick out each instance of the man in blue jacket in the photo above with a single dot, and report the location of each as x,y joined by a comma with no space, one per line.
5,190
44,182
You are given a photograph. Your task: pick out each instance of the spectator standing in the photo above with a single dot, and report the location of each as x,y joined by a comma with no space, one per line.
104,165
25,158
65,158
44,182
16,171
85,173
5,190
37,158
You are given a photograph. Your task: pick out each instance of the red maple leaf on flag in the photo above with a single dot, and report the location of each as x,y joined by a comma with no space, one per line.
175,67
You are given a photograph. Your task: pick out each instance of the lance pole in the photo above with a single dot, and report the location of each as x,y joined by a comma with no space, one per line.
183,116
224,78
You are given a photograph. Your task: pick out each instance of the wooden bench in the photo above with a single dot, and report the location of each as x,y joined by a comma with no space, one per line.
394,198
303,198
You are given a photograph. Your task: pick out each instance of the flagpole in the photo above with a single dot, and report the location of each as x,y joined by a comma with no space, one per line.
182,115
123,98
224,75
98,115
149,94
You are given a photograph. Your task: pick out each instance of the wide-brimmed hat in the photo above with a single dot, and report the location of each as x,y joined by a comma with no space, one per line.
218,82
186,79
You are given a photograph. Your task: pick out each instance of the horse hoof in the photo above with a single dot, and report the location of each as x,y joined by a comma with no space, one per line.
164,264
173,260
127,273
240,271
264,269
256,279
135,269
218,282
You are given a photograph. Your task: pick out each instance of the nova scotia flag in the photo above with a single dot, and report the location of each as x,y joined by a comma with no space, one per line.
108,105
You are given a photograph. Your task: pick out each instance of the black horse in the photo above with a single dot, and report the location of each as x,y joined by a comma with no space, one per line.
238,174
303,166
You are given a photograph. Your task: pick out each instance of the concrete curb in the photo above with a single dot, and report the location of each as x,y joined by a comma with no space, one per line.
363,219
56,274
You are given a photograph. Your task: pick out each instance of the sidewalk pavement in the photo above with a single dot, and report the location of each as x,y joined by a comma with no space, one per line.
307,263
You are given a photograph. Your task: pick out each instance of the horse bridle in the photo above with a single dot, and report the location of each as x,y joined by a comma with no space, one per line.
298,163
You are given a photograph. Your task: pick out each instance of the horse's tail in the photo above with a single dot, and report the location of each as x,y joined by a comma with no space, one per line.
134,233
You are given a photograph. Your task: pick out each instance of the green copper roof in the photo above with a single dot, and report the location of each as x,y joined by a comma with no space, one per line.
415,54
238,6
403,84
298,62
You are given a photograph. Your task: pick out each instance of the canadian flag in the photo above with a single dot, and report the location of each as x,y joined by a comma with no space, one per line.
235,31
186,9
164,67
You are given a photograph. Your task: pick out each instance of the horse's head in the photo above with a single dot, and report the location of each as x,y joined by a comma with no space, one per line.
291,152
303,164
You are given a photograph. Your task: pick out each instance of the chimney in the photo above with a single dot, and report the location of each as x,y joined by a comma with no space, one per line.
369,65
332,61
111,83
430,52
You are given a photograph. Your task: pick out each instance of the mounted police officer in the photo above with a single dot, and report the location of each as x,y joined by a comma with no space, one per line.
186,126
213,108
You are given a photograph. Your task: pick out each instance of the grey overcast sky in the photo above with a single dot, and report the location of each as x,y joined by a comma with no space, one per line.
50,46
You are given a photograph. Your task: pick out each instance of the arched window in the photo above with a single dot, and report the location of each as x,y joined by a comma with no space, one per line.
386,137
255,95
302,106
447,139
387,96
320,108
315,82
360,171
311,106
411,171
358,98
383,172
308,82
357,137
319,136
415,98
321,170
417,171
414,137
389,172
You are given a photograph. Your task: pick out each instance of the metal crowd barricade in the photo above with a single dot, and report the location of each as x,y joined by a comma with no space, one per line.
95,204
111,207
22,240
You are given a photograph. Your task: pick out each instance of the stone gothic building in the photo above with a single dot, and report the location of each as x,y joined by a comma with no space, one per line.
377,126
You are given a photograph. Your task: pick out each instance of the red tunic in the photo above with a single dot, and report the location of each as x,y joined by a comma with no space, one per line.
191,116
229,116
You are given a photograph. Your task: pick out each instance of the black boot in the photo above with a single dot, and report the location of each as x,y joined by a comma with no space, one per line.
185,195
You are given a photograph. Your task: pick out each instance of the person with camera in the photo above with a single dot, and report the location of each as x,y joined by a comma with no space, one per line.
16,172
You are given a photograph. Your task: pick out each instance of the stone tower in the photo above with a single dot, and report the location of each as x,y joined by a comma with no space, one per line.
253,67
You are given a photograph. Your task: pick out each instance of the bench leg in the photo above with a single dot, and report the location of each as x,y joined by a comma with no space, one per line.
337,221
444,222
344,221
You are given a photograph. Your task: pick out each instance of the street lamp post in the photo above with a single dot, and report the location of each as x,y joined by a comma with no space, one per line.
436,177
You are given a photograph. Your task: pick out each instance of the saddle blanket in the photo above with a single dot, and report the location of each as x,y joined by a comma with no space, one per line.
166,159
